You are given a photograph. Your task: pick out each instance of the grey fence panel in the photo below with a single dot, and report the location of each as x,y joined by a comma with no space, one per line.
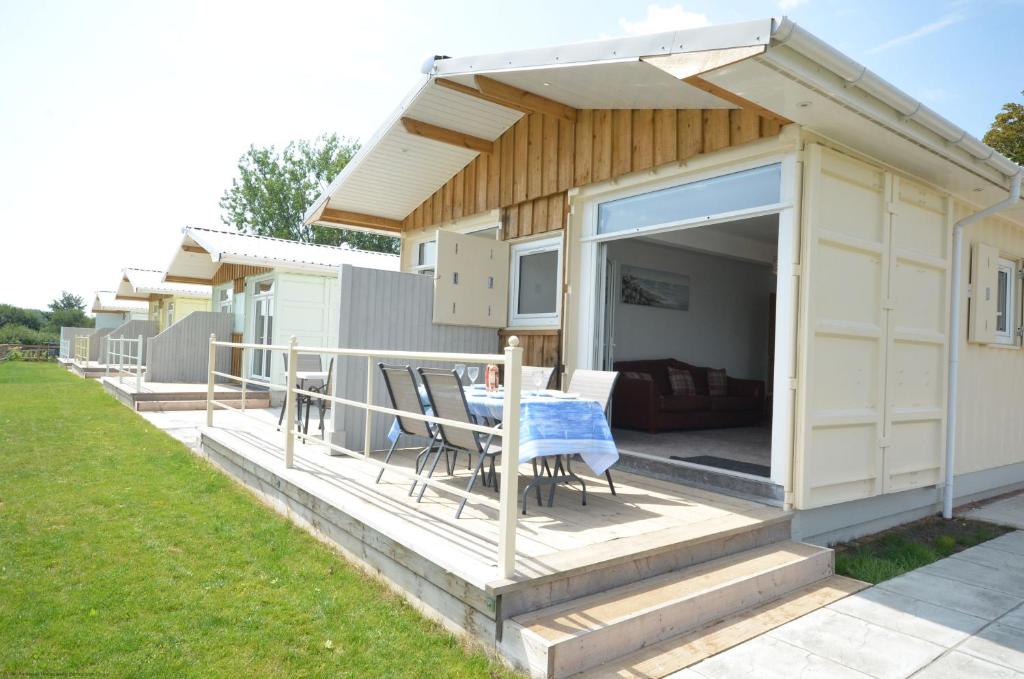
67,339
389,310
131,330
96,343
181,352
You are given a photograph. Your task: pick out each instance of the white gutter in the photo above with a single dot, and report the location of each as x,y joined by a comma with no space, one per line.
954,332
905,108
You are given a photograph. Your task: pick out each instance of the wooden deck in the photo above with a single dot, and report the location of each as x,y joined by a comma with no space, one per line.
646,519
175,395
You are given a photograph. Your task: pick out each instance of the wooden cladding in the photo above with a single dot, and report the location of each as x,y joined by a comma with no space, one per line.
236,355
230,272
532,217
540,348
542,156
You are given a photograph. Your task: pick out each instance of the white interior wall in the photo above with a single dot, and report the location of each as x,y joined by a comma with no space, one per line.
726,325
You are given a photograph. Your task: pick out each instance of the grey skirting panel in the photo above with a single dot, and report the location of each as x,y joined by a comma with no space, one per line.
180,353
389,310
96,343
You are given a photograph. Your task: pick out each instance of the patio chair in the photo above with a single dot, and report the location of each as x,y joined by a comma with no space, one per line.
448,401
404,394
324,387
530,374
305,362
595,385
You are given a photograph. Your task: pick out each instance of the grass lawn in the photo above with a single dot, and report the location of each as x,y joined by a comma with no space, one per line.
122,554
893,552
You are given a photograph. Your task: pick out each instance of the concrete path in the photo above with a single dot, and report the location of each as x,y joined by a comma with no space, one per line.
958,617
1006,512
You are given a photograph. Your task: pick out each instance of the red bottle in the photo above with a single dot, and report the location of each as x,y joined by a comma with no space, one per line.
491,378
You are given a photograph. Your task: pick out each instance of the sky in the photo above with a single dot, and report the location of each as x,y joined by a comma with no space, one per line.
122,122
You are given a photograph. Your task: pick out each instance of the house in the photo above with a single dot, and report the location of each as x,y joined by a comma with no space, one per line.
111,312
168,302
273,288
808,281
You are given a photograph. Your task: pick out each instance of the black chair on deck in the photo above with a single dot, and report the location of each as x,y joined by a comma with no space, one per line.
404,395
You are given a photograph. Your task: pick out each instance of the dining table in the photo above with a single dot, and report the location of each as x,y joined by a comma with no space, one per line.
551,423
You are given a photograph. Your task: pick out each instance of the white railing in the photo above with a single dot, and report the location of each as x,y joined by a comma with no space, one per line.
512,360
123,356
82,349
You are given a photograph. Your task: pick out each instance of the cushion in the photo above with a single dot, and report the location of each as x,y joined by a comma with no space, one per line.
681,382
685,404
718,383
643,377
735,404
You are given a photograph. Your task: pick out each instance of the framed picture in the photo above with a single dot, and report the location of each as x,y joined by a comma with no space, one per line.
647,287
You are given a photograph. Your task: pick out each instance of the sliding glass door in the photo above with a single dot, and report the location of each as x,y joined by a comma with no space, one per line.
263,327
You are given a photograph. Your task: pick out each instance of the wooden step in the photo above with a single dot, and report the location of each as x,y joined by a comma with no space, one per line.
567,638
677,653
174,404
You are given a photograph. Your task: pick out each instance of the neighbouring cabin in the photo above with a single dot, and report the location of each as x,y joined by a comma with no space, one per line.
111,312
168,303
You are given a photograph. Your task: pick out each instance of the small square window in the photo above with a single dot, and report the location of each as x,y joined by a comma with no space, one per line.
426,257
535,290
1005,289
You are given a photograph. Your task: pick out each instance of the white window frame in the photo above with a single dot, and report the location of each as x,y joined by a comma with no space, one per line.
518,251
1007,337
417,266
170,314
226,305
267,360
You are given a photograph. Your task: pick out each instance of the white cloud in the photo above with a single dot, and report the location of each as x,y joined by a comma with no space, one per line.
660,19
786,5
927,29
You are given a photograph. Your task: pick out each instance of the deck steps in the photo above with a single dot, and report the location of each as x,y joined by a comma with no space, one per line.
674,654
584,633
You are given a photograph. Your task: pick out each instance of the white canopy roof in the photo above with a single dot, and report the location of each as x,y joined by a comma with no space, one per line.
203,250
771,63
143,283
106,301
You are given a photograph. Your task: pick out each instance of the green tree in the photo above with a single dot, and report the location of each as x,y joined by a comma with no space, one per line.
274,189
67,310
1007,132
29,318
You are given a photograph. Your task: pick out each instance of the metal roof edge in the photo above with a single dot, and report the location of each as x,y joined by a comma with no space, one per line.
787,32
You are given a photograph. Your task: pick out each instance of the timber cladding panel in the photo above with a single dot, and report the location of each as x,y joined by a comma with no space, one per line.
232,272
541,157
541,348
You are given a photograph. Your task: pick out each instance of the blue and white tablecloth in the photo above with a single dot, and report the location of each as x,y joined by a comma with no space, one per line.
552,426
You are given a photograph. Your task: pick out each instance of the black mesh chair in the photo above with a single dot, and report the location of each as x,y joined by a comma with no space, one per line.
448,401
318,387
303,363
404,395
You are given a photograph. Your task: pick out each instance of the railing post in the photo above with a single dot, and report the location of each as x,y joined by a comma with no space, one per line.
138,366
106,356
210,367
368,430
507,502
289,411
241,373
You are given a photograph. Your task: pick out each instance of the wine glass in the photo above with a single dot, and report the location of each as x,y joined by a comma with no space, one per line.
538,381
474,372
460,368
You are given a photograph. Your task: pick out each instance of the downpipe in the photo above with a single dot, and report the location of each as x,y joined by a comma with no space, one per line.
954,332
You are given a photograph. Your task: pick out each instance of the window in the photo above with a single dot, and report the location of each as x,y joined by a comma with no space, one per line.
1005,321
170,314
224,301
426,257
743,190
263,327
535,289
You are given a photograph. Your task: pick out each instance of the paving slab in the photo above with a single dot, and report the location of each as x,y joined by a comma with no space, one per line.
966,598
921,619
1014,618
991,557
769,658
1006,580
997,643
1006,512
1011,542
858,644
958,665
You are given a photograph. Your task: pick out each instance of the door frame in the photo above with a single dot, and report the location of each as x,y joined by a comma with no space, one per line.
256,298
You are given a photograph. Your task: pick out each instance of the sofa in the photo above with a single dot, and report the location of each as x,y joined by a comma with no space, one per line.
650,405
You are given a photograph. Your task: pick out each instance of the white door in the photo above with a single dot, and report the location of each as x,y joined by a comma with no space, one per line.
263,327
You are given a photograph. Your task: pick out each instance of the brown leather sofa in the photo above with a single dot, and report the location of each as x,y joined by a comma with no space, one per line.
650,405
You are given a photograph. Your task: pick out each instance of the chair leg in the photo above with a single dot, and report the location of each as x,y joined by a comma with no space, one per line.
469,486
540,500
305,426
611,484
437,458
572,475
421,462
387,458
494,475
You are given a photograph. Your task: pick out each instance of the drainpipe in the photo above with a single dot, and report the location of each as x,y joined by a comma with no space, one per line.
954,332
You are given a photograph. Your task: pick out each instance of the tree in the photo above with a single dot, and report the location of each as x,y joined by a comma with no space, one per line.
29,318
68,310
1007,132
274,190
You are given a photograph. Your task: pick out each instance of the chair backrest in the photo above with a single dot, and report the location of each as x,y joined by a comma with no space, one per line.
405,396
596,385
448,400
530,374
307,363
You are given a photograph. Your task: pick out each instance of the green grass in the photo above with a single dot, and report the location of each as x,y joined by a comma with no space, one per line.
122,554
902,549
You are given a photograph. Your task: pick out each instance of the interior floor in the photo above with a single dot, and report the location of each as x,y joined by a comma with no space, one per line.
751,447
